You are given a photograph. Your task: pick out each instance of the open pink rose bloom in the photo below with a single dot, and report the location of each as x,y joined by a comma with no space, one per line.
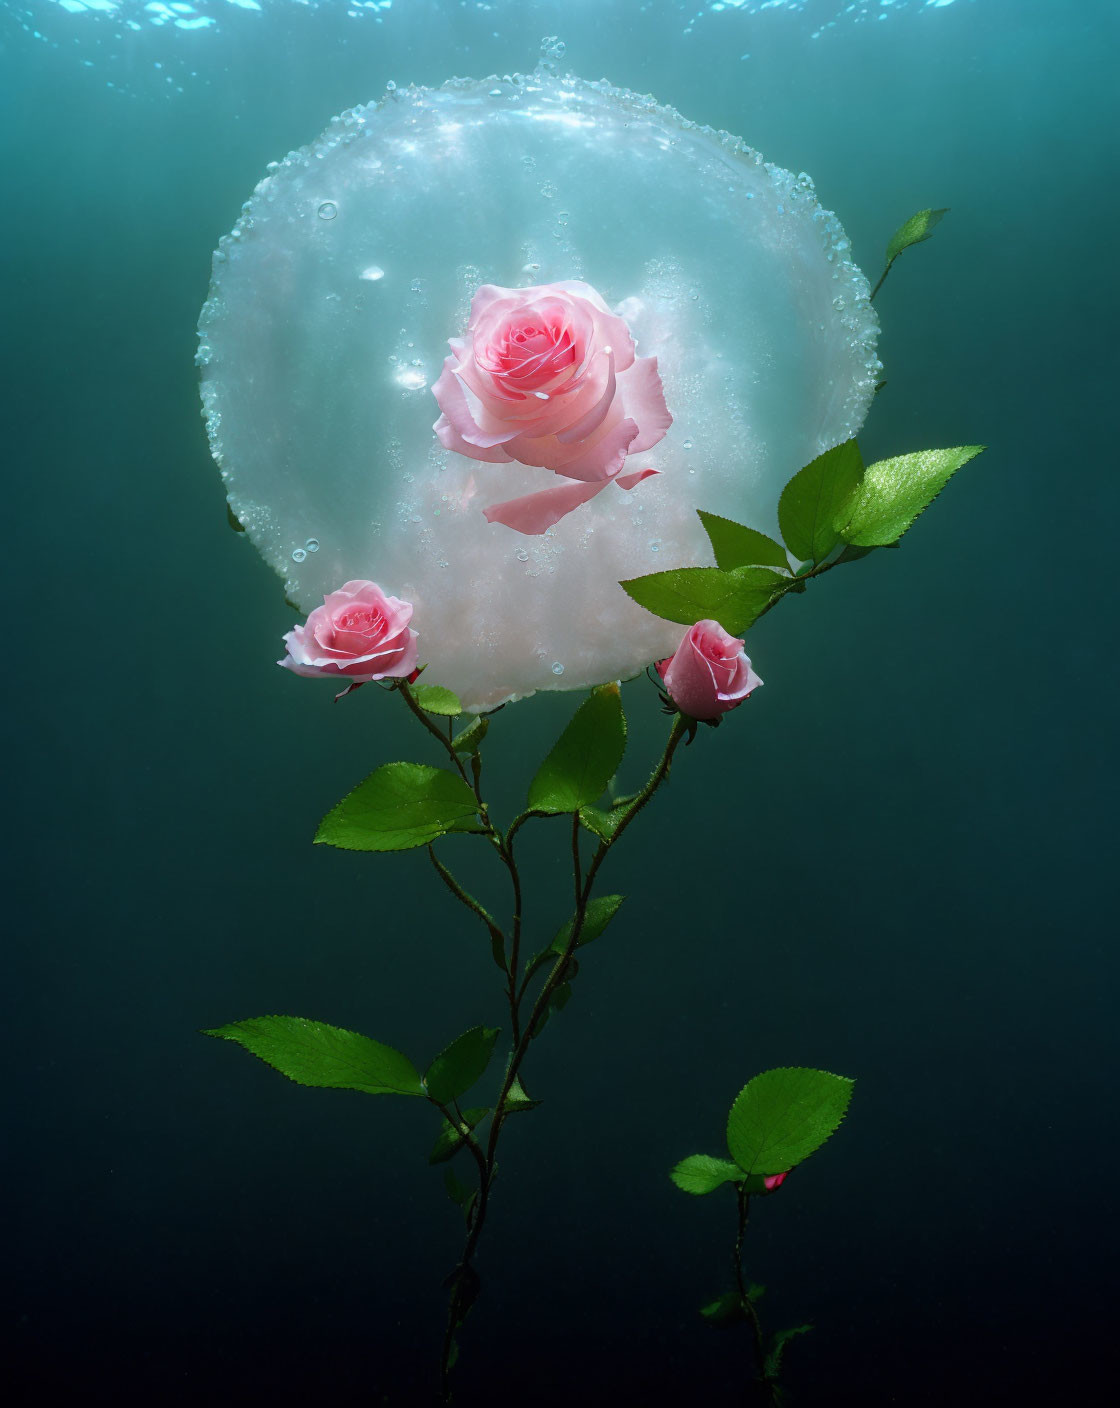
359,633
547,376
618,318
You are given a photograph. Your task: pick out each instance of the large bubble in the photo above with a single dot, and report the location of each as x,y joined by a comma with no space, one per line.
355,260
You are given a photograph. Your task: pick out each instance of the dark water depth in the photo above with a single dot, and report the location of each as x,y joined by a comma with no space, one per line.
895,863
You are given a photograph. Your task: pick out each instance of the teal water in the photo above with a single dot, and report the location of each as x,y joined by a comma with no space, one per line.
892,863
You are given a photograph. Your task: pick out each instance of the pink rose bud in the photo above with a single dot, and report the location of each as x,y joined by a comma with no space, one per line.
547,376
358,632
709,673
775,1180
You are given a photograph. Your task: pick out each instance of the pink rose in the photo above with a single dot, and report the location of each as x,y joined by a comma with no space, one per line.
358,632
547,376
709,673
774,1180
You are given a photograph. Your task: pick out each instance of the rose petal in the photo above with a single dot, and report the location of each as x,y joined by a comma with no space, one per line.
534,513
631,481
644,398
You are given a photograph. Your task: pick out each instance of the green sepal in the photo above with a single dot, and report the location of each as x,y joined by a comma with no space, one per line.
453,1137
467,740
460,1065
725,1310
317,1054
585,757
690,594
701,1173
435,699
892,493
814,496
400,806
782,1116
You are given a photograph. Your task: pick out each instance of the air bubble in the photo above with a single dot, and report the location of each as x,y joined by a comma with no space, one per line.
557,668
312,545
299,554
655,545
328,210
522,555
373,273
686,444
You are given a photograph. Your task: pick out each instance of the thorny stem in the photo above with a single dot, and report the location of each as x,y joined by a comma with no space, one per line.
464,1278
747,1305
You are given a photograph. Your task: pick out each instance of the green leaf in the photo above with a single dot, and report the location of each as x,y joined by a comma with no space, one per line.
313,1053
460,1065
452,1137
586,755
772,1368
691,594
812,499
234,522
724,1310
782,1116
598,914
894,492
736,545
399,806
468,739
700,1173
456,1191
913,231
519,1098
560,997
600,823
436,700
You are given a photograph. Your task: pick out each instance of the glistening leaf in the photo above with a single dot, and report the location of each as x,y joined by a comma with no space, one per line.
919,227
436,700
782,1116
724,1310
812,499
452,1137
736,545
597,915
586,755
469,738
773,1366
701,1173
460,1065
894,492
399,806
519,1098
691,594
313,1053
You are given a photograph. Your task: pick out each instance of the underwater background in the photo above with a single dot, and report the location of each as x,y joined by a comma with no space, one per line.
895,863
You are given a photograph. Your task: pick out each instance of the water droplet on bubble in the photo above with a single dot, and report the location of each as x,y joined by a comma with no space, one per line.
655,545
839,304
328,210
299,554
557,668
373,273
522,555
687,444
312,545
